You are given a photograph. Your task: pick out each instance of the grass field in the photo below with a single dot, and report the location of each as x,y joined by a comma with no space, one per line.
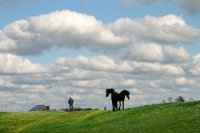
161,118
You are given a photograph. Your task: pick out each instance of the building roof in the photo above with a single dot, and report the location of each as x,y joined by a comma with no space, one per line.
38,108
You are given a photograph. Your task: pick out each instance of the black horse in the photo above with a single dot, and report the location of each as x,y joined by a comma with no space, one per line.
122,97
115,97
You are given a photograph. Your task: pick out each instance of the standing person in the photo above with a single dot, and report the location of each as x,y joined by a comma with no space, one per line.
70,102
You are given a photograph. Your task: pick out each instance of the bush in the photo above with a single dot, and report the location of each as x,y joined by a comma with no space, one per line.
180,99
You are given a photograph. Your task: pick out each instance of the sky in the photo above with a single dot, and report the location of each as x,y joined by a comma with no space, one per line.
53,50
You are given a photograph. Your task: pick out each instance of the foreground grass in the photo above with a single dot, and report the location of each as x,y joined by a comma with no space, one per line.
163,118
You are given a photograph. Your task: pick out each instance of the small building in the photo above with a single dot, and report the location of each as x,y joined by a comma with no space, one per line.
40,108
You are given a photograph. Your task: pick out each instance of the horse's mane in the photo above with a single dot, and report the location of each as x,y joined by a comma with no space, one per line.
125,93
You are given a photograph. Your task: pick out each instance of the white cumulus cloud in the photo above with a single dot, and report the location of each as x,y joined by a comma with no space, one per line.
145,52
15,64
58,29
176,55
68,29
103,63
151,52
169,29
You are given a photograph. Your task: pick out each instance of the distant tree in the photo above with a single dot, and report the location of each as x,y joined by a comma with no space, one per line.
180,99
191,99
163,101
170,99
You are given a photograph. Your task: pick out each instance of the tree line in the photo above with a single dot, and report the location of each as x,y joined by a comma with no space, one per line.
179,99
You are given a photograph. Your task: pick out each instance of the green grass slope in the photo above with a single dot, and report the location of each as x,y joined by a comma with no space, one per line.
162,118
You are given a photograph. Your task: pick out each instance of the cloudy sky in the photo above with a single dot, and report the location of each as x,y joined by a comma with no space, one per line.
51,50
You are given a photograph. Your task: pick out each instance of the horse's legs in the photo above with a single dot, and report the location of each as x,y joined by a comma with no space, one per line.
123,104
119,105
113,104
113,108
116,106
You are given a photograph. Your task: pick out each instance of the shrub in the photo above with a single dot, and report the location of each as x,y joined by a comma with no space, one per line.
180,99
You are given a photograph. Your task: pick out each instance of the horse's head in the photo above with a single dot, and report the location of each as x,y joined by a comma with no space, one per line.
108,91
126,93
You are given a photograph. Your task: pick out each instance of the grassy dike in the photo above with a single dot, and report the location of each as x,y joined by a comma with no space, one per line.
161,118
